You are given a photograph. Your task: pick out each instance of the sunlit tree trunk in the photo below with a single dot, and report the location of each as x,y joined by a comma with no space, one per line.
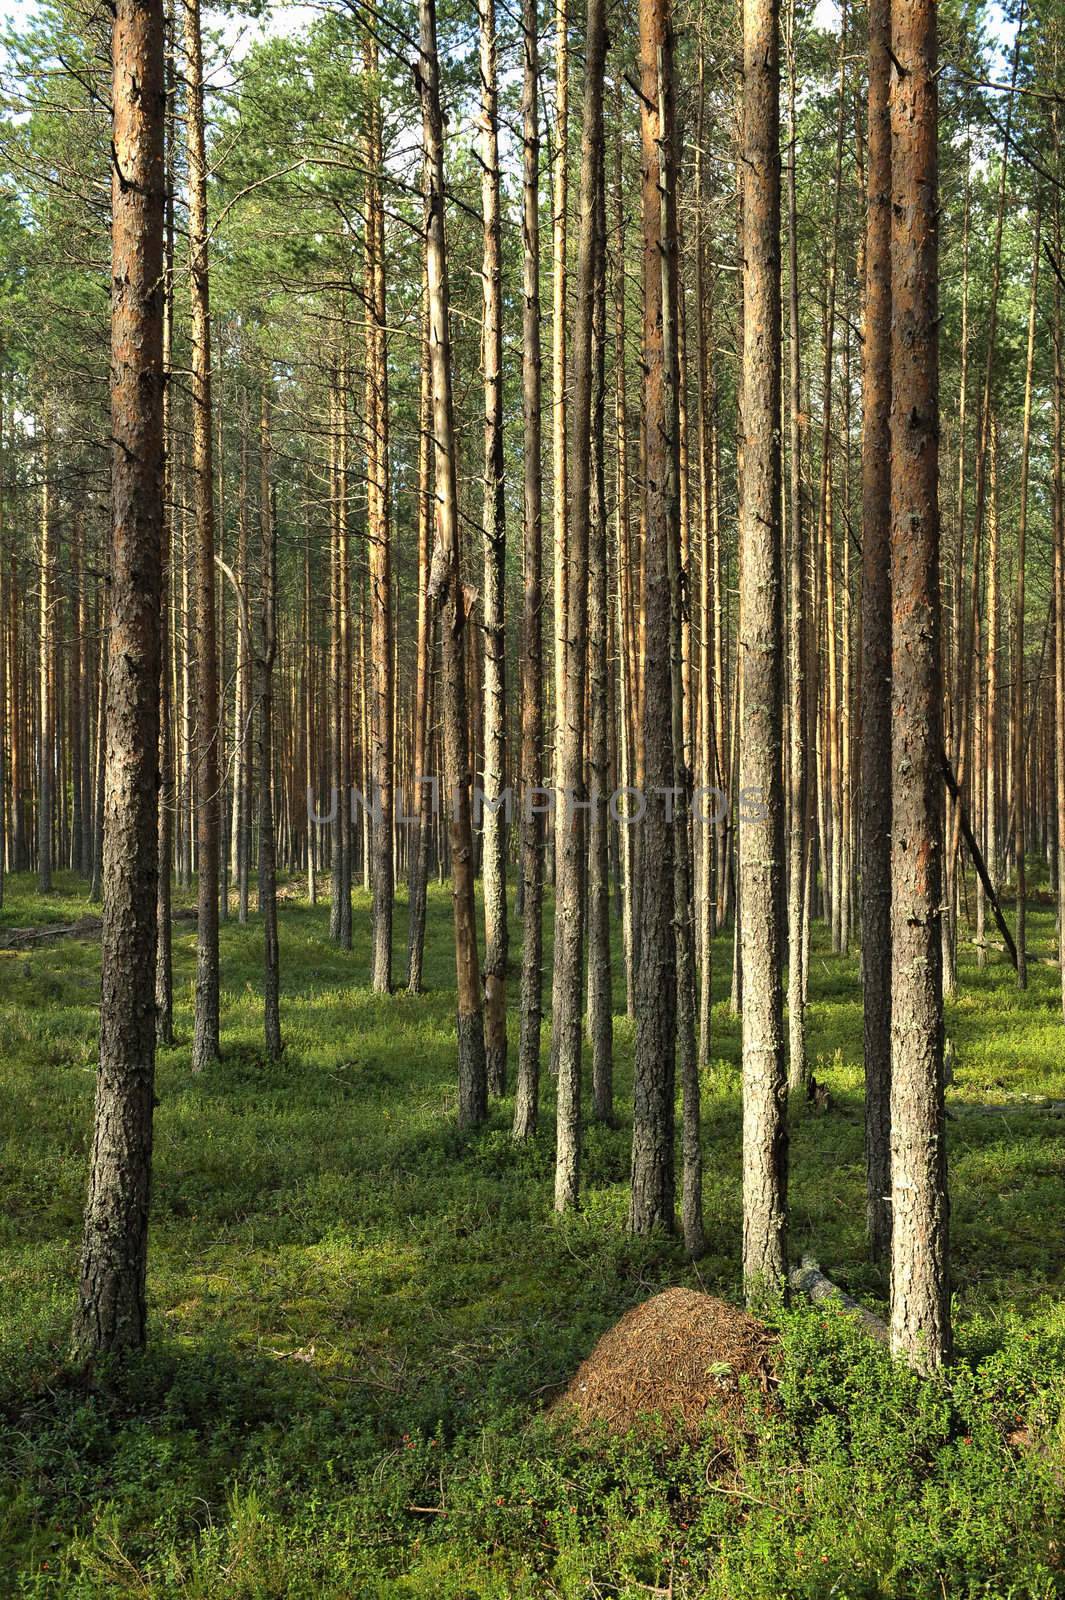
569,821
920,1289
447,592
111,1310
761,640
205,1035
526,1098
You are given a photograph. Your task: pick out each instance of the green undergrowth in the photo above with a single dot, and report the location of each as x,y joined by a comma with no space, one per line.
359,1315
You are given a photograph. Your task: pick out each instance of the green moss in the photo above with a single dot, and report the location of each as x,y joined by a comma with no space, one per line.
358,1313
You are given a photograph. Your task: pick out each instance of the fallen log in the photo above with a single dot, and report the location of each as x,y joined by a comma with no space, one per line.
809,1280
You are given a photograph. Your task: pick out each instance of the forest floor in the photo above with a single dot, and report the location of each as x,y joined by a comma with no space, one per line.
358,1314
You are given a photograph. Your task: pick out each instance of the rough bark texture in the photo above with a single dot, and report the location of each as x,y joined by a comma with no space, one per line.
447,591
526,1100
494,867
205,1032
600,1008
110,1315
379,527
264,672
798,925
651,1202
1019,752
876,644
422,828
570,816
760,640
45,687
920,1293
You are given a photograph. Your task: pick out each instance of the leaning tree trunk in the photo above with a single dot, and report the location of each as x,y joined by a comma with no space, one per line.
761,633
446,591
111,1312
651,1201
526,1099
876,644
920,1291
205,1033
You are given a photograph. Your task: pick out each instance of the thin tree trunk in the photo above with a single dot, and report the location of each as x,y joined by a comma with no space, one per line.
382,729
569,822
526,1100
422,833
1019,777
494,867
600,1000
652,1197
264,673
761,633
205,1036
46,688
446,590
876,645
798,927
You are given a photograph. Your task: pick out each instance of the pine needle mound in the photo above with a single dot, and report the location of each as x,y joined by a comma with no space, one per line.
677,1359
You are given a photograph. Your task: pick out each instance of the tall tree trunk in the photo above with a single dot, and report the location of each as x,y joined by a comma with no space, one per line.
920,1291
1059,549
761,632
419,848
494,869
559,402
798,926
379,520
205,1035
569,821
1019,783
446,590
876,644
111,1312
526,1099
164,969
264,665
652,1198
600,1000
45,667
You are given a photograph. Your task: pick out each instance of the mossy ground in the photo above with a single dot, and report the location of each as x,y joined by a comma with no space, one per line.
357,1313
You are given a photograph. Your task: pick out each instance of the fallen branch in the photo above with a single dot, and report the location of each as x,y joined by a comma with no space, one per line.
808,1279
978,861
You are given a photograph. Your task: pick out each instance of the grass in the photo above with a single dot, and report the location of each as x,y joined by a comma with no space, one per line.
357,1313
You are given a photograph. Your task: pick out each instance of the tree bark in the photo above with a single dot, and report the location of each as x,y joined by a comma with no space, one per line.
494,865
761,633
264,670
876,644
526,1100
205,1036
653,1183
111,1311
920,1291
379,528
569,820
446,590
